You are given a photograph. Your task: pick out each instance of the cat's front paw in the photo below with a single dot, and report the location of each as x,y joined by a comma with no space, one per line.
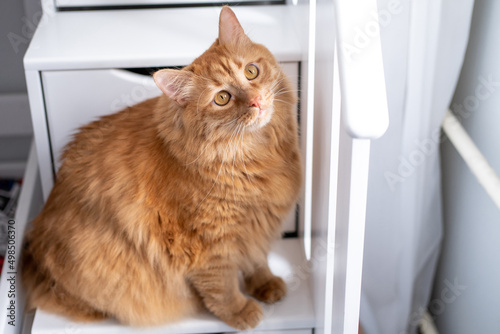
271,291
249,317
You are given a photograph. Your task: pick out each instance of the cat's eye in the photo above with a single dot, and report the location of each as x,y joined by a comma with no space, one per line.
251,71
222,98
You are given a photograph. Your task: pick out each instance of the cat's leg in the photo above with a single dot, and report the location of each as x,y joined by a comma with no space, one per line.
218,286
262,284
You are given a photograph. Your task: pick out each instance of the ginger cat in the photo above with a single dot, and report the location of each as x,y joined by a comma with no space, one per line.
156,209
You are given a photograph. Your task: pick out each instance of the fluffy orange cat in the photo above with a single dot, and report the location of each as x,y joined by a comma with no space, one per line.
157,209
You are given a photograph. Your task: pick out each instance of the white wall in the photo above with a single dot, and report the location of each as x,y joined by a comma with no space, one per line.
466,296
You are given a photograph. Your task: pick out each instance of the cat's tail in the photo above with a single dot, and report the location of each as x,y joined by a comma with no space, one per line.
42,291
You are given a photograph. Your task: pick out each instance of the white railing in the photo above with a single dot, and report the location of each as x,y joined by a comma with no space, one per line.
477,163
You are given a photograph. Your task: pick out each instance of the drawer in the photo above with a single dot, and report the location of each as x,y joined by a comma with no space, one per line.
75,98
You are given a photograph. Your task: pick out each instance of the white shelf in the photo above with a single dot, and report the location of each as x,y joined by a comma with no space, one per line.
113,39
294,312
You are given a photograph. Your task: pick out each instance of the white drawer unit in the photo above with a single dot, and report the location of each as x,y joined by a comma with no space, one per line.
78,68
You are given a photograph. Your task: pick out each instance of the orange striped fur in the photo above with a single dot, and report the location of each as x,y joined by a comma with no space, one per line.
156,209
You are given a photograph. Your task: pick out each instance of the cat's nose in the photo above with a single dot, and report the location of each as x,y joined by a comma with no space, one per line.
254,102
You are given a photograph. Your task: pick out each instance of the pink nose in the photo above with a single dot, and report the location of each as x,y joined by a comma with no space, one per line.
254,102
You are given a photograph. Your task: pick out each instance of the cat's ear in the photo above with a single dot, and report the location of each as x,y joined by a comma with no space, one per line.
176,84
230,30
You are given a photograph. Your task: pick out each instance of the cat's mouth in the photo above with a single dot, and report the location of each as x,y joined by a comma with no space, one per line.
260,116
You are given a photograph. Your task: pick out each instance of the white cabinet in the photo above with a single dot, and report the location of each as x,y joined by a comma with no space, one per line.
75,72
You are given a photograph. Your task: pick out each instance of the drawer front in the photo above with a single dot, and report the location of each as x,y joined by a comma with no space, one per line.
75,98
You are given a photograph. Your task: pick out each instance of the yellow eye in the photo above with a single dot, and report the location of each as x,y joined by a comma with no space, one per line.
222,98
251,71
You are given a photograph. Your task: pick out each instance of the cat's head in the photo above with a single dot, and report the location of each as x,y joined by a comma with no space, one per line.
233,86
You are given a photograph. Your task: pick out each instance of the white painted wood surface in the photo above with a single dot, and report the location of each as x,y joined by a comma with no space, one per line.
152,37
364,98
324,160
40,130
294,312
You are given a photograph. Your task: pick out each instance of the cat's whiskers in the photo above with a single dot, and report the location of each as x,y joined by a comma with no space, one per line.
229,123
276,84
283,101
285,91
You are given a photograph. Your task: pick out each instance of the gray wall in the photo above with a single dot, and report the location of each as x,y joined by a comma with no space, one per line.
466,296
18,20
13,43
